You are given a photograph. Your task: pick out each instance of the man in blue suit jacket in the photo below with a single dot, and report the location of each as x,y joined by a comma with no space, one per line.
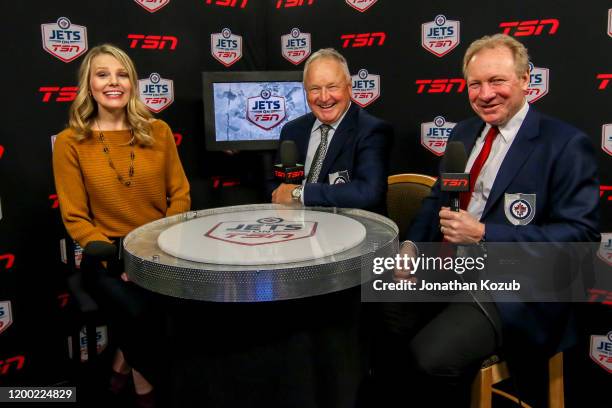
538,183
354,170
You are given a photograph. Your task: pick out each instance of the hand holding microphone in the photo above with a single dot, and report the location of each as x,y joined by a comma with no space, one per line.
290,174
457,225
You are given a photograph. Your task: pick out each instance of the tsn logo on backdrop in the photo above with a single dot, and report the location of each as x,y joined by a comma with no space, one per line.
440,36
153,42
54,93
156,92
538,83
440,85
152,5
226,47
295,46
530,27
434,135
293,3
361,5
228,3
363,39
14,363
605,80
365,88
64,40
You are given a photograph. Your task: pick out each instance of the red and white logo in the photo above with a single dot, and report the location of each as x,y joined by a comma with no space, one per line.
610,22
538,83
152,5
295,46
6,316
228,3
530,27
440,36
366,88
606,138
156,92
605,248
601,351
8,259
293,3
226,47
153,42
64,40
363,39
441,85
434,135
605,80
269,230
266,111
58,94
361,5
17,362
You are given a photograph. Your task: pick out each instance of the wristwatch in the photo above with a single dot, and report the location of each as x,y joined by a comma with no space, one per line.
296,193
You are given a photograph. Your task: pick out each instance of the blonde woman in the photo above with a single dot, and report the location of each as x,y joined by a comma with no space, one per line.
117,168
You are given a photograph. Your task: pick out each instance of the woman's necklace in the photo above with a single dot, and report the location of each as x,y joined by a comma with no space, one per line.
106,151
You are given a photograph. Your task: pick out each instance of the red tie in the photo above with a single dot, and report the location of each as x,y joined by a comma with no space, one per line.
477,166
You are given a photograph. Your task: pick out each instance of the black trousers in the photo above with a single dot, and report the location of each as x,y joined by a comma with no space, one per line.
427,354
135,316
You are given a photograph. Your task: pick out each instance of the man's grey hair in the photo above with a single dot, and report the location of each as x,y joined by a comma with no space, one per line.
518,50
328,53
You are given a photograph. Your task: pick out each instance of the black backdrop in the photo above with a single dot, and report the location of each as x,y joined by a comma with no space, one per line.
576,54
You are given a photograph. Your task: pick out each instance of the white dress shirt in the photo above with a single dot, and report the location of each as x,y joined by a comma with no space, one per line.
499,149
315,140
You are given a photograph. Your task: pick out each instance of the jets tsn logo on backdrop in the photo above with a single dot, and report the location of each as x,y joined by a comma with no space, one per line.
295,46
156,92
226,47
64,40
366,88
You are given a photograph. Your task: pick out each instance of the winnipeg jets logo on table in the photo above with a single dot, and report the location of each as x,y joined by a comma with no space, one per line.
264,231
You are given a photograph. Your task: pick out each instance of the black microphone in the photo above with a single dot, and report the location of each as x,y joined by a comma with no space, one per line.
453,177
289,171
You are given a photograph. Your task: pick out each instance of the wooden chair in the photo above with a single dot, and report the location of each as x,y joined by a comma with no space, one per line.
404,197
494,371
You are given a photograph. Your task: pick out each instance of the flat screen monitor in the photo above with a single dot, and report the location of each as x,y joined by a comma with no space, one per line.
246,110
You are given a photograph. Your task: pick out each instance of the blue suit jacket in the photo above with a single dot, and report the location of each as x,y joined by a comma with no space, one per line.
554,161
359,146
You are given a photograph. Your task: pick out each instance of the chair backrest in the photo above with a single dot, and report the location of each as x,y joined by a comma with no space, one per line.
404,197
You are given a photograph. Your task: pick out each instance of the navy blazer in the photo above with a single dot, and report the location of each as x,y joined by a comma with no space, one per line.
552,160
360,147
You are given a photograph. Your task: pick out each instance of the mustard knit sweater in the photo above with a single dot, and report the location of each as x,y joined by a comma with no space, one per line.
95,205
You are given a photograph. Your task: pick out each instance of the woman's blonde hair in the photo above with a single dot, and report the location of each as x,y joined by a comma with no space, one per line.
84,109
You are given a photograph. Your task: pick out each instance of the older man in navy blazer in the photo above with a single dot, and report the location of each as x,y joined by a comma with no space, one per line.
536,182
353,171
